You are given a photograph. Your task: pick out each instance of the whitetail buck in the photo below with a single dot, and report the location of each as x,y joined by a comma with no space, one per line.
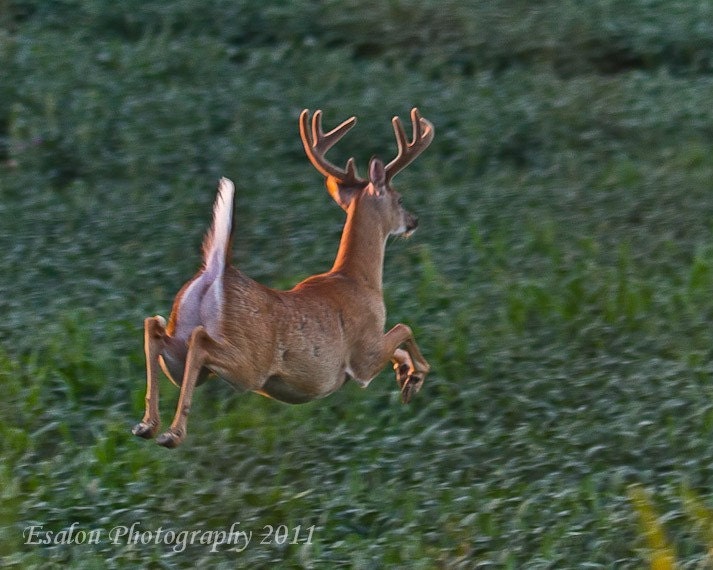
297,345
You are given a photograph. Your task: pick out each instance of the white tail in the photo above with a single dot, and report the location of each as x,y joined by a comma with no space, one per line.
297,345
216,245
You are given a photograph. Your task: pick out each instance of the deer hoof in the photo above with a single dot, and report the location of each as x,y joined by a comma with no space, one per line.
410,386
169,439
402,374
147,431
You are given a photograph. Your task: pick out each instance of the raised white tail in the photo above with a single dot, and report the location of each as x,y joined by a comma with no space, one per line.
200,302
216,245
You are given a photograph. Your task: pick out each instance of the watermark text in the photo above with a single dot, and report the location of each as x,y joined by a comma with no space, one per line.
235,538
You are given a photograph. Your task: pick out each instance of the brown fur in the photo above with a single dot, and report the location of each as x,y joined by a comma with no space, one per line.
299,345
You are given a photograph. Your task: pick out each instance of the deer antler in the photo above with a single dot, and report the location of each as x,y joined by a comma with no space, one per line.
408,151
317,143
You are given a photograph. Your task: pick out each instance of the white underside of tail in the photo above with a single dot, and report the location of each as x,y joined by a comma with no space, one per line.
202,301
216,241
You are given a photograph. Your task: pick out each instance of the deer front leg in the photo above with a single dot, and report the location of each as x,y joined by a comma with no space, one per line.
403,365
410,365
154,334
199,346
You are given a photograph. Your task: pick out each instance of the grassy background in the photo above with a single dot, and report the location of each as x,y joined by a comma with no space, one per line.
560,283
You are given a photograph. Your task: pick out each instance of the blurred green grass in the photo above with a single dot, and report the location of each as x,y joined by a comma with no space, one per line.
559,283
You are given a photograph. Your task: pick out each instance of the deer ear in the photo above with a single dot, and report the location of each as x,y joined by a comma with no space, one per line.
342,195
377,176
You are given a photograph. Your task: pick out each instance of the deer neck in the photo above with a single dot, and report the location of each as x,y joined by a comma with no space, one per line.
361,248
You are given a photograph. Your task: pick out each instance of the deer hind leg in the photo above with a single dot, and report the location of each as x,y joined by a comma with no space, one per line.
154,341
200,347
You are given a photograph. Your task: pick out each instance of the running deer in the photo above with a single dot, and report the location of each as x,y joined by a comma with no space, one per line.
302,344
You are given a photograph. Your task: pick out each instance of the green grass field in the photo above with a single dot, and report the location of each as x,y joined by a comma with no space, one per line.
560,283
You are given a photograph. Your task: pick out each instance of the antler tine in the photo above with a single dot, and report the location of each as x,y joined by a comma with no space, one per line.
316,143
422,135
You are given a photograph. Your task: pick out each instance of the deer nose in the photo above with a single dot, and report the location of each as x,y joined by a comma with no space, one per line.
411,225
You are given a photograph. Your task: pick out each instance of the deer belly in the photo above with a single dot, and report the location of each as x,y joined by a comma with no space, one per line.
294,391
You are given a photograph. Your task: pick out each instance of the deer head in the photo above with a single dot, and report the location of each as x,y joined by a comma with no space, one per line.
374,193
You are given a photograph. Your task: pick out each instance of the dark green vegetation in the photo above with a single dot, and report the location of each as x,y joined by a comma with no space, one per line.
560,283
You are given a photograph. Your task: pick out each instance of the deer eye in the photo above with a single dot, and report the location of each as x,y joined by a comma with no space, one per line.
400,201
